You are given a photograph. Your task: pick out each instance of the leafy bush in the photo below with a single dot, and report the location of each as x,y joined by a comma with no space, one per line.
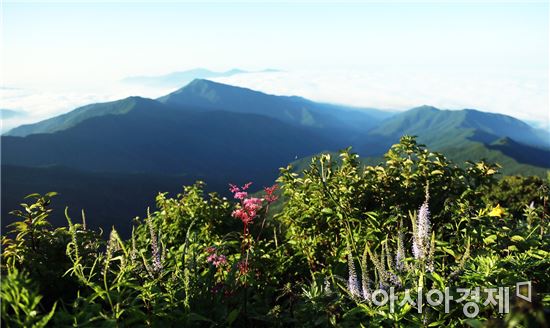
344,234
21,302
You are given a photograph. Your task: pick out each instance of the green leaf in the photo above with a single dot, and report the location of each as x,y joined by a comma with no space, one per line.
197,317
35,195
232,316
474,323
517,239
490,239
405,309
449,251
437,278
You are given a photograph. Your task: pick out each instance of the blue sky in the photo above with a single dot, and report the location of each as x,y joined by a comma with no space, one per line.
68,48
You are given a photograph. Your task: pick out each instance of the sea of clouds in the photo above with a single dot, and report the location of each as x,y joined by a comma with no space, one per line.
523,97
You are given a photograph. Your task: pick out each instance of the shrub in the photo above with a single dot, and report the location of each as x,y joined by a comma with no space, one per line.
345,233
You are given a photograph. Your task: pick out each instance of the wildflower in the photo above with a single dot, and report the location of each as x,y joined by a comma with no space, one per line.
496,211
216,260
242,266
365,281
422,234
248,211
133,254
353,284
221,260
155,250
112,246
379,266
233,188
249,207
388,258
252,205
394,279
400,254
240,214
327,289
239,193
270,197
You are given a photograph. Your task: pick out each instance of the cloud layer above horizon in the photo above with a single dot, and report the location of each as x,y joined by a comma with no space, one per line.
524,97
489,56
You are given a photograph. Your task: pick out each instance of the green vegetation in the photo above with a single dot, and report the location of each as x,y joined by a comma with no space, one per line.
443,128
467,135
340,233
217,133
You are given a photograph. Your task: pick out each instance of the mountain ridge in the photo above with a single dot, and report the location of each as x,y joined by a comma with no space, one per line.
83,113
201,94
369,131
443,127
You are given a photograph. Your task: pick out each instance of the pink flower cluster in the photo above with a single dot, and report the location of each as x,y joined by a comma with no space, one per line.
216,260
248,211
239,193
249,206
270,197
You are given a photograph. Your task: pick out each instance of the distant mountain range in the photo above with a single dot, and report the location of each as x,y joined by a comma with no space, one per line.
467,135
6,114
177,79
224,134
441,128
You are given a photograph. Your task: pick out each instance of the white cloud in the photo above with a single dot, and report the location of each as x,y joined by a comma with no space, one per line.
525,98
38,105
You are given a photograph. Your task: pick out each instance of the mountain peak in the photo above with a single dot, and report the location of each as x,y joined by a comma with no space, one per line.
209,95
446,127
198,88
201,83
81,114
425,108
205,93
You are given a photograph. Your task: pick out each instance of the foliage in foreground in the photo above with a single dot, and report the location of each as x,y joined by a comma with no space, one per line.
345,235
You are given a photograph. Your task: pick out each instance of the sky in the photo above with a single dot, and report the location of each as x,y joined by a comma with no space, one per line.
487,55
